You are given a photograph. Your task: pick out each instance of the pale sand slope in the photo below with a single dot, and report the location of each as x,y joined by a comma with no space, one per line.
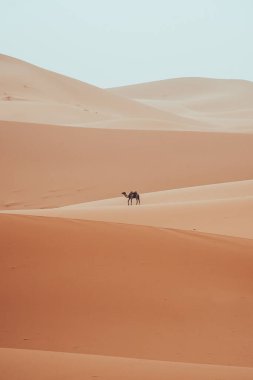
122,290
42,365
31,94
51,166
217,103
225,209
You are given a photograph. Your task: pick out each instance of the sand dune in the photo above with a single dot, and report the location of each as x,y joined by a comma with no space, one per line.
92,288
42,365
186,88
217,104
173,122
129,291
51,166
32,94
225,209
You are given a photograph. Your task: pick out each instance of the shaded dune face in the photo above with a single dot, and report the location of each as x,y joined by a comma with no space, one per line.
121,290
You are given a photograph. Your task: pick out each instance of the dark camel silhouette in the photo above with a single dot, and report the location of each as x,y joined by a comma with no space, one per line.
132,195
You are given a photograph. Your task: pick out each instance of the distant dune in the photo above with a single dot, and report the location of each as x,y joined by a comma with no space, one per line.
94,288
31,94
218,104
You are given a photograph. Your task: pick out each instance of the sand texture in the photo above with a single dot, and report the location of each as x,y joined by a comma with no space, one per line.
94,288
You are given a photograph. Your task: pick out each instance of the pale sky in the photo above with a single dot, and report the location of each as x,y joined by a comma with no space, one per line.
111,43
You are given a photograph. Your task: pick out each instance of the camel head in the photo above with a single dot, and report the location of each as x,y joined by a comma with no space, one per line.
124,193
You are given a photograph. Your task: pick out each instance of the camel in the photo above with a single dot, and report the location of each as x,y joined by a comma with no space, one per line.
132,195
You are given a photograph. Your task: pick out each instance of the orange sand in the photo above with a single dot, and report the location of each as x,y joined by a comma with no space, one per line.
129,291
51,365
51,166
92,288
